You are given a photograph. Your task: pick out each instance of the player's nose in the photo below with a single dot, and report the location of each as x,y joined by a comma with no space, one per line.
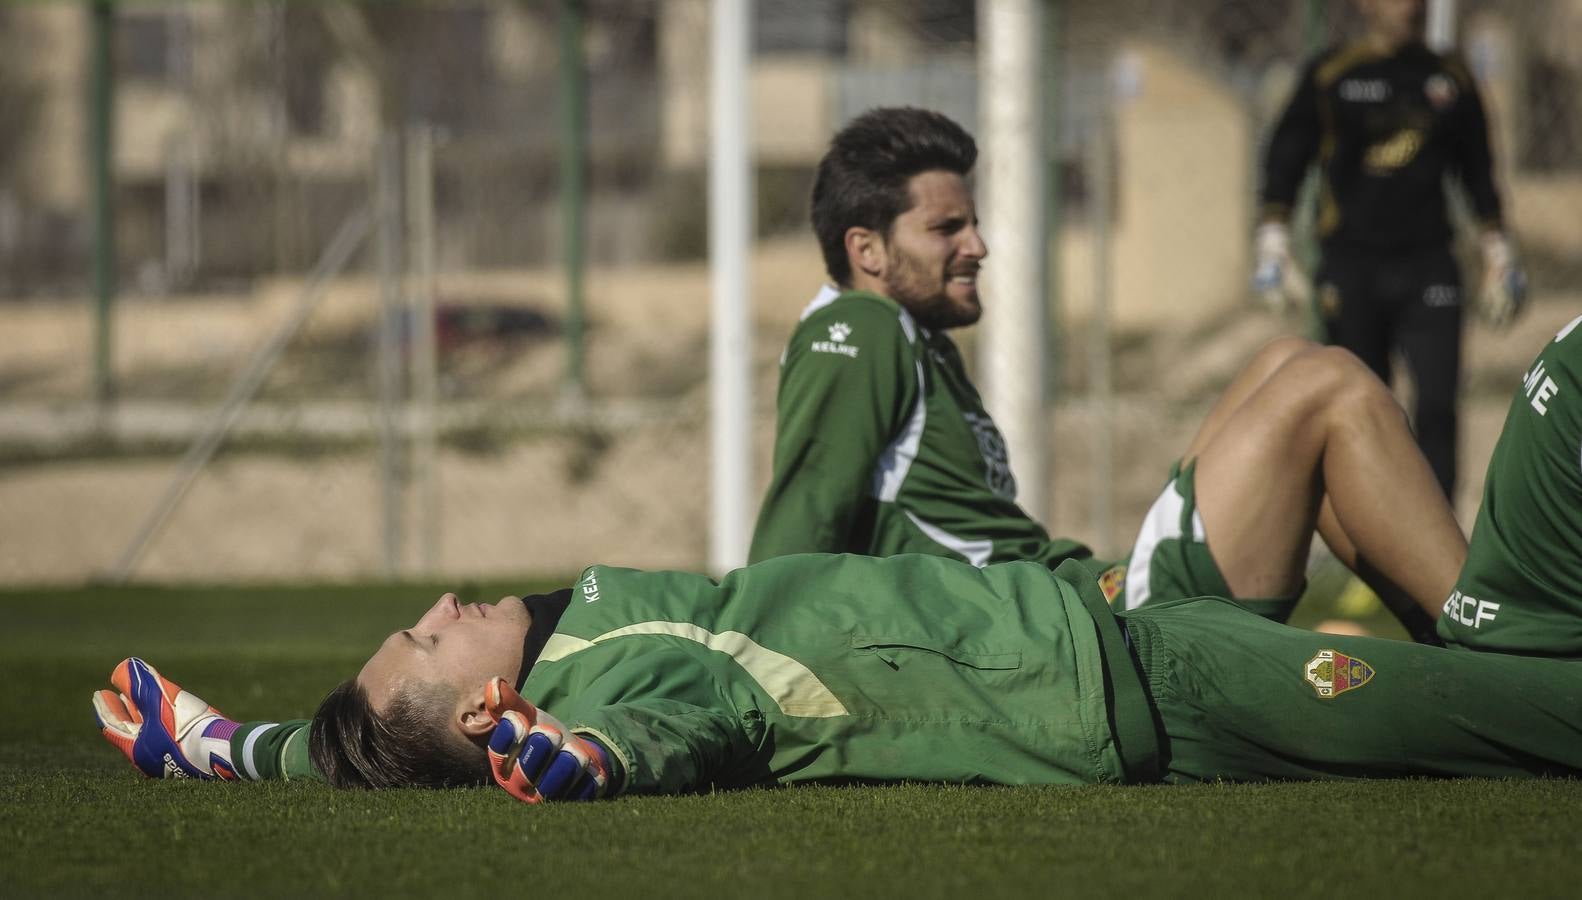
444,609
973,245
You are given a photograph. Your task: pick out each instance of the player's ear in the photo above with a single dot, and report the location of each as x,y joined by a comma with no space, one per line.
472,717
866,251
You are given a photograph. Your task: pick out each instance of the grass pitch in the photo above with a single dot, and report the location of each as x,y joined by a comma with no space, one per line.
75,819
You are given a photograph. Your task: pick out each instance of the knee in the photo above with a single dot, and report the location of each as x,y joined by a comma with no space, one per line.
1280,351
1334,379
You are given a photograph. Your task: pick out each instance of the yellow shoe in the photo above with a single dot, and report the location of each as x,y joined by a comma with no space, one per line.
1357,601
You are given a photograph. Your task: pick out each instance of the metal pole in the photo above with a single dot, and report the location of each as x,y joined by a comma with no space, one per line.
1316,33
425,354
182,210
1316,27
101,149
1101,387
182,190
730,231
1010,91
1441,27
573,187
387,199
1053,205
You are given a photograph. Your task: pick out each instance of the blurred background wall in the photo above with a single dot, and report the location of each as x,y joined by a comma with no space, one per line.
247,135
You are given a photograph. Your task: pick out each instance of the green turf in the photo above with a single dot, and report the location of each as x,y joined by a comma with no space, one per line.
74,819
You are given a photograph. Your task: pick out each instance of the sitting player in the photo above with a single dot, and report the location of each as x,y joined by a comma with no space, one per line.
1304,438
828,668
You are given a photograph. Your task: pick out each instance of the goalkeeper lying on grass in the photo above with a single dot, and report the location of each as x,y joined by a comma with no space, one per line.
847,668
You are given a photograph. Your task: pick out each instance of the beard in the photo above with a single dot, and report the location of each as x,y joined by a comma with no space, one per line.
926,295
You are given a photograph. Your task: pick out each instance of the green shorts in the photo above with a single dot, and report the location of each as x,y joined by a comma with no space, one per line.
1241,698
1171,559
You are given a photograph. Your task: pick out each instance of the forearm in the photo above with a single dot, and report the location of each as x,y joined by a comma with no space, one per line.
263,751
665,747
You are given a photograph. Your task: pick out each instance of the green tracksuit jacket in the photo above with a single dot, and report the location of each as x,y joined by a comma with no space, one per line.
831,668
820,668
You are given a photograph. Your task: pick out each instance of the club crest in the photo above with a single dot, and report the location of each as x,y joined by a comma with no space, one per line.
1111,582
1332,673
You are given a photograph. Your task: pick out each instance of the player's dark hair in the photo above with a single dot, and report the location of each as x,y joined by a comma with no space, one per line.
409,745
861,181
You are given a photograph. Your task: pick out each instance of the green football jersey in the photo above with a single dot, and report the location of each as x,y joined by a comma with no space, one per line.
1521,588
882,446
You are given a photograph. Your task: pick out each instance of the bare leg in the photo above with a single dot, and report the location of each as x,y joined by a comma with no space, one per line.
1322,427
1418,620
1265,362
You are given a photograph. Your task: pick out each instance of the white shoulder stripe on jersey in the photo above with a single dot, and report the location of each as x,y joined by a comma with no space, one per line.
247,750
896,460
909,326
825,296
1162,523
793,686
1568,329
976,552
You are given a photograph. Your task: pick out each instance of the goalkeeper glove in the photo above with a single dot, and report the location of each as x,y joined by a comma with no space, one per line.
536,758
1276,277
1504,287
165,731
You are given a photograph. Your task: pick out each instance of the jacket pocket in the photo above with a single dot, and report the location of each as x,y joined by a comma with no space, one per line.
892,651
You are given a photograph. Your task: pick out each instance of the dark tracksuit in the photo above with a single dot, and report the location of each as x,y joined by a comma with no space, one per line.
1385,131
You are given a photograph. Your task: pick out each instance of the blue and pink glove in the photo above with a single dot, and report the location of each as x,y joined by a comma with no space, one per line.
165,731
536,758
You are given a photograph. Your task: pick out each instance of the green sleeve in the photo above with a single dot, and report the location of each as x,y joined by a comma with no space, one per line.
262,751
841,403
666,719
660,746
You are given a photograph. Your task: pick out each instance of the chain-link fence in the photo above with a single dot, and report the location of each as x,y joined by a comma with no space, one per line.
570,413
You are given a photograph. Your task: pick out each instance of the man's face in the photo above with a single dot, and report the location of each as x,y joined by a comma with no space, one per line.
934,252
452,644
1397,20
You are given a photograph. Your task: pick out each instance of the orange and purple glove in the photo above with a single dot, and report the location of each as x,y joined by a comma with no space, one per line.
536,758
165,731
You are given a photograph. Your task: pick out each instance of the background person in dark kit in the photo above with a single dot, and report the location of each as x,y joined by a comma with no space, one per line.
1387,120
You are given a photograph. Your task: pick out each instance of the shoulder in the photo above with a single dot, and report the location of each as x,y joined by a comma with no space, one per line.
1567,345
857,318
1336,61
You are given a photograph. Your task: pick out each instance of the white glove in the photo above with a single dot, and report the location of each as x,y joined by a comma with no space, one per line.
1504,287
1276,278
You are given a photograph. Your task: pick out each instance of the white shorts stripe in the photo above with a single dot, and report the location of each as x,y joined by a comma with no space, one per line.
1162,523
